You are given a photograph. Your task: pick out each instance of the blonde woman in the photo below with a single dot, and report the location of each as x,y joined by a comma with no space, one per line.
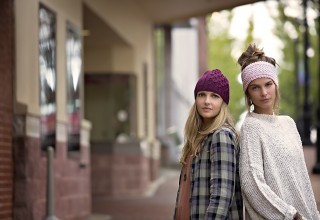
209,185
274,177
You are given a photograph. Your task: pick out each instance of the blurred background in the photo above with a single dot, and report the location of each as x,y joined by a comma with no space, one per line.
108,85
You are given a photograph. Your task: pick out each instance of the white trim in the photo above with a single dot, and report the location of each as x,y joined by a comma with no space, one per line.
155,150
32,126
61,132
145,148
85,133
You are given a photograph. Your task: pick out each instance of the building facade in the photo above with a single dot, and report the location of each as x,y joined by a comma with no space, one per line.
79,76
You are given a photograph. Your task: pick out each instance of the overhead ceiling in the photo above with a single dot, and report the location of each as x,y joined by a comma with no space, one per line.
100,34
159,12
168,11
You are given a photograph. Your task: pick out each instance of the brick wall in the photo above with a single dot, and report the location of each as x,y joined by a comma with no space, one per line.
6,103
119,170
115,176
72,189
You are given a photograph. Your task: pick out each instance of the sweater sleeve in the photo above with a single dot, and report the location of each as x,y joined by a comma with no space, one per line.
254,187
223,159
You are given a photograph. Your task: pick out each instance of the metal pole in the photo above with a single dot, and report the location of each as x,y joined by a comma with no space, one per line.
306,107
296,84
50,186
316,168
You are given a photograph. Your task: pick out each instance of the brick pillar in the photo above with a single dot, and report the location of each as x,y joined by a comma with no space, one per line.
203,44
6,107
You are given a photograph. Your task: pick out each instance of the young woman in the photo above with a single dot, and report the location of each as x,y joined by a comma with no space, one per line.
274,178
209,185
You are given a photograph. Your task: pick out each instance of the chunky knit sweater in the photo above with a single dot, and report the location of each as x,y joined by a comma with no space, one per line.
274,178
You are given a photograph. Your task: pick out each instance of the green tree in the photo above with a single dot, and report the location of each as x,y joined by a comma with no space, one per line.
220,47
291,69
290,66
249,38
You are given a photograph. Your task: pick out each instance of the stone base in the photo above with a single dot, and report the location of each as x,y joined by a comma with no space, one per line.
72,187
119,170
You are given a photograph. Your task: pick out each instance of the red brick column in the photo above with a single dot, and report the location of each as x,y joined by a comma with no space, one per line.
203,44
6,109
71,176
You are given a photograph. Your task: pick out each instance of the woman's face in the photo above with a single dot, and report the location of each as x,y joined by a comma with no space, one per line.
208,106
262,93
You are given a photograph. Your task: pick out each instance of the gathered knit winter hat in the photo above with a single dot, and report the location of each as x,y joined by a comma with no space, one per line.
213,81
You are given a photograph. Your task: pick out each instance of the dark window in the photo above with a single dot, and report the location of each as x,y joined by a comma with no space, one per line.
47,68
74,70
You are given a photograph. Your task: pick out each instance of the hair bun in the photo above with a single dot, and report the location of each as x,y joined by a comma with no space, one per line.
258,53
253,54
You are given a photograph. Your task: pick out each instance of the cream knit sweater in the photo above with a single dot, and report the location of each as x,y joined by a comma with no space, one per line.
274,178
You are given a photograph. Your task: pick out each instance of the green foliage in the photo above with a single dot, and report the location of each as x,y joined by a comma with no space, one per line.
249,38
220,46
290,90
292,65
159,56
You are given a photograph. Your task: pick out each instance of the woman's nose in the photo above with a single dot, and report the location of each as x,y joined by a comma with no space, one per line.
264,91
207,99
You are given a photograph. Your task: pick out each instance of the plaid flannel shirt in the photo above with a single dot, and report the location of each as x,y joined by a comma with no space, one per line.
215,183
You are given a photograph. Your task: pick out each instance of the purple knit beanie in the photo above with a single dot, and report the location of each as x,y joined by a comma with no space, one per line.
213,81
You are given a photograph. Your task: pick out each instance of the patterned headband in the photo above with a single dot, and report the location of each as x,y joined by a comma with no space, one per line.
257,70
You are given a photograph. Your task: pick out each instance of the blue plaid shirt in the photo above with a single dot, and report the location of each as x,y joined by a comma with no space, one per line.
215,183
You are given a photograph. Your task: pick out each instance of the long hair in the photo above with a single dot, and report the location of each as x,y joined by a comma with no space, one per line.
193,137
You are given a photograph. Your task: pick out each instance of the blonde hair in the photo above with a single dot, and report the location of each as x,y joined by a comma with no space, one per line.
251,55
193,137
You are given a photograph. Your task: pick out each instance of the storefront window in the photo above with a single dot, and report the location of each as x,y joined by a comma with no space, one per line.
74,69
47,68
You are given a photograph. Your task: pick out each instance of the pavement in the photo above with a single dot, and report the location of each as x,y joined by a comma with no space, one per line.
157,203
310,153
159,200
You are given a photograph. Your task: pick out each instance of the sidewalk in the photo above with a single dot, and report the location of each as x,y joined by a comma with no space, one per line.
310,157
160,200
157,204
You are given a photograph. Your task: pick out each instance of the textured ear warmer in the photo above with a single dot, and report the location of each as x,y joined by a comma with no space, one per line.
260,69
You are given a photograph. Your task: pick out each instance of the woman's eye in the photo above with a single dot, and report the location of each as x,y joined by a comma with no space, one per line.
215,96
269,84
